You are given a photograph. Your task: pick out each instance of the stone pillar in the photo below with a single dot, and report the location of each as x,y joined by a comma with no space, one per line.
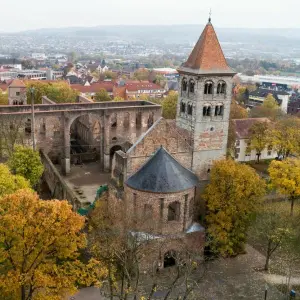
106,156
66,161
185,211
145,117
161,213
102,141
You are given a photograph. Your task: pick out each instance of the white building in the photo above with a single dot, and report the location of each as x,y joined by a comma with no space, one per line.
242,144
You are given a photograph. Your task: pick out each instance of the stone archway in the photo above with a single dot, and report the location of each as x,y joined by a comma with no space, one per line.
170,259
112,152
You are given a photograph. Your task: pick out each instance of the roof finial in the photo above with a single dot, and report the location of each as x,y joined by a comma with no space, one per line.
209,19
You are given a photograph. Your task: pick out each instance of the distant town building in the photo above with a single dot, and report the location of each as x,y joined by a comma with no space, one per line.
243,151
294,104
258,97
17,93
169,73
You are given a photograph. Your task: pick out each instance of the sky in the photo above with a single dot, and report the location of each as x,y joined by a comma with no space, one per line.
19,15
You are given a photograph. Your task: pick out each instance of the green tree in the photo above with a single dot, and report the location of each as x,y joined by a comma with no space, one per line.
110,75
259,137
10,183
285,177
272,228
169,105
286,136
3,98
233,194
270,102
102,96
118,99
26,162
141,74
39,249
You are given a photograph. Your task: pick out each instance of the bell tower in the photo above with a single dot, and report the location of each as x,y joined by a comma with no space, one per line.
205,90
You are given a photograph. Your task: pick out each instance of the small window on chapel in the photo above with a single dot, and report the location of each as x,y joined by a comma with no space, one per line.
174,211
182,107
190,109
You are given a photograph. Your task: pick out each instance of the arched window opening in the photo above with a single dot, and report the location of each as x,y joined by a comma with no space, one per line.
113,121
206,110
221,89
192,86
184,85
150,119
219,109
28,127
114,139
174,211
208,88
170,259
190,109
138,119
126,120
182,107
148,212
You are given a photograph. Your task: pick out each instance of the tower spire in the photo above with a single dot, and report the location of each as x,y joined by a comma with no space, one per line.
209,19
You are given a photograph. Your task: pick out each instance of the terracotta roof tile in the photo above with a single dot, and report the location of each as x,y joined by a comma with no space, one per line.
17,83
94,88
207,55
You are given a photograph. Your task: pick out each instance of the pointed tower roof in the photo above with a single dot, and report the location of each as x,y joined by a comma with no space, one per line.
207,56
162,173
17,83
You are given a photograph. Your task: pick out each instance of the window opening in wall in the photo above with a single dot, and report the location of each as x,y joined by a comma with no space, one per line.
206,110
138,119
190,109
182,107
148,211
150,119
208,88
221,89
114,139
174,211
126,120
113,121
17,93
219,110
192,86
28,126
184,85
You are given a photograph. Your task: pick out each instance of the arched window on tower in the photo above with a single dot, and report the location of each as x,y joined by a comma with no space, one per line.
174,211
190,109
208,88
184,85
219,110
150,119
192,86
221,88
182,107
207,110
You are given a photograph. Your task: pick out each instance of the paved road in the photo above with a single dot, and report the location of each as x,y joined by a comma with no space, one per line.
90,293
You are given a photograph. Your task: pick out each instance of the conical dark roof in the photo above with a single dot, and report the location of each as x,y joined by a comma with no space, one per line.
162,173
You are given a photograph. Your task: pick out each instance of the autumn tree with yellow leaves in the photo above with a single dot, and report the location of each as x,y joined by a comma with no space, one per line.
285,177
233,194
39,249
10,183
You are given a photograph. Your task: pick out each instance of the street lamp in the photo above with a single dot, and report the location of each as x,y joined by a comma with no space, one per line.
32,117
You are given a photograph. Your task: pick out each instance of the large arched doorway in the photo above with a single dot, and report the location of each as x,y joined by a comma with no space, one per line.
85,139
170,259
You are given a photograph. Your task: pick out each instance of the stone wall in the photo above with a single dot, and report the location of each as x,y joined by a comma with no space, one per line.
138,205
58,187
163,133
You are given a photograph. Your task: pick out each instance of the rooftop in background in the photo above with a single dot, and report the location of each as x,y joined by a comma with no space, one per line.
17,83
242,126
165,70
207,56
162,173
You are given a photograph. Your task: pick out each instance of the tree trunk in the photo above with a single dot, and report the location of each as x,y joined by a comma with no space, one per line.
111,289
292,206
23,293
258,157
267,262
